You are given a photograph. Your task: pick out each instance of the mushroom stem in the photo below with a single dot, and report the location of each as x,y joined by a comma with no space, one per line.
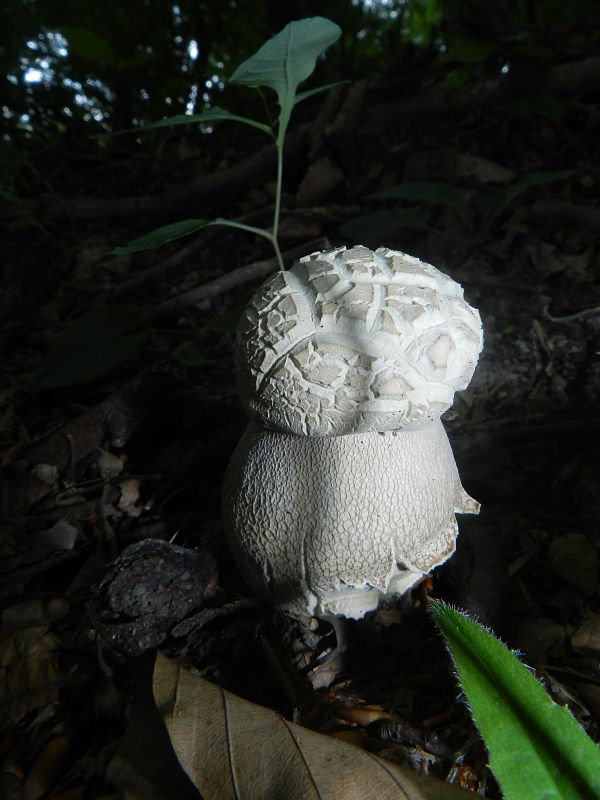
329,525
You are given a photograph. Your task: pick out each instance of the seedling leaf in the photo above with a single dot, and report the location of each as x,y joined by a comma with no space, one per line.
215,114
537,749
177,230
167,233
230,223
90,346
286,60
317,90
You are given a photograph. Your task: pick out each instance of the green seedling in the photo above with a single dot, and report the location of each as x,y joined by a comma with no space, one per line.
281,64
537,749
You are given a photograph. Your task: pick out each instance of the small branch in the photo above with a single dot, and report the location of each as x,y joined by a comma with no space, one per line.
256,271
579,315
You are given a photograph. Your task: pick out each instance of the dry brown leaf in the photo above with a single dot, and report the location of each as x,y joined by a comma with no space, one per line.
573,557
29,673
586,639
234,749
486,171
48,768
144,766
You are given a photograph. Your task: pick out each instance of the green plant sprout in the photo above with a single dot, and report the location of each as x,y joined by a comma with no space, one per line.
281,64
537,749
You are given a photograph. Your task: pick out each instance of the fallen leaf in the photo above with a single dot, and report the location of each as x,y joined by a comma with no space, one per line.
48,768
232,748
35,612
46,473
586,639
573,558
61,536
144,766
130,494
486,171
29,672
109,464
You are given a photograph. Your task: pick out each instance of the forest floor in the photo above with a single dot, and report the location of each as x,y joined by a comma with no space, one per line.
112,468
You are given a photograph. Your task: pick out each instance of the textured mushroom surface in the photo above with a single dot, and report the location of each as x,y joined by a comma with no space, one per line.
331,524
351,341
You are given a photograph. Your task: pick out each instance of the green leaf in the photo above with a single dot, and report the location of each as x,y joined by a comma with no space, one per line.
317,90
90,346
230,223
177,230
498,201
87,44
430,192
286,60
377,225
537,749
215,114
167,233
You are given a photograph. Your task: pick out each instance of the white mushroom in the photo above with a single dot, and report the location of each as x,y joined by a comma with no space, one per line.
344,488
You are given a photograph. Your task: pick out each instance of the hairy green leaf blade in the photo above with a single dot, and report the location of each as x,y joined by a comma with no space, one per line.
167,233
90,346
286,60
537,749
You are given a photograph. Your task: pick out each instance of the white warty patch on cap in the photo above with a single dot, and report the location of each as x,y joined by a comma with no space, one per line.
352,341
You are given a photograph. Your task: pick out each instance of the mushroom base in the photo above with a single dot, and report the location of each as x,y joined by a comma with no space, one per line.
332,525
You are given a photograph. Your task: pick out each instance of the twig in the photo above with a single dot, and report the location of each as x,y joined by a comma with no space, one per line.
587,312
249,272
175,261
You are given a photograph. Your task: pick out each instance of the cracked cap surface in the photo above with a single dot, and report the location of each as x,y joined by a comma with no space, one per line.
351,341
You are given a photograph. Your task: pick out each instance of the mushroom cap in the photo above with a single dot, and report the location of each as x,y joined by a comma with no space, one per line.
351,341
331,524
